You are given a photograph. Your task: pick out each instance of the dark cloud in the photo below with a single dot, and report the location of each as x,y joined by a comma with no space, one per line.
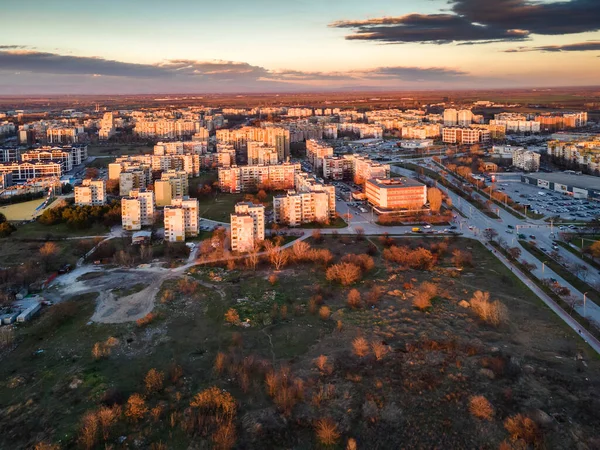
12,47
479,21
416,74
578,47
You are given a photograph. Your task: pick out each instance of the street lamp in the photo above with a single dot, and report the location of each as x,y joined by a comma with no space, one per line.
584,305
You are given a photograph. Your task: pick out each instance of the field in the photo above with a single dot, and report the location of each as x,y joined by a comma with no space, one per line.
118,149
22,211
36,230
15,252
411,386
219,206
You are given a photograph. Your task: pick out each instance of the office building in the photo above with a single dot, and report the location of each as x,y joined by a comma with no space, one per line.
394,194
247,226
26,171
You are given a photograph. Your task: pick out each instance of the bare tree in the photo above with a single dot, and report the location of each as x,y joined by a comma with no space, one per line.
253,256
490,234
434,196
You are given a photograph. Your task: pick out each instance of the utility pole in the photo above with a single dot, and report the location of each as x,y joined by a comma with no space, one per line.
584,305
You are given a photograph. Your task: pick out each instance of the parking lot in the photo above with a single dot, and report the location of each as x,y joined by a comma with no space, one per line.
550,203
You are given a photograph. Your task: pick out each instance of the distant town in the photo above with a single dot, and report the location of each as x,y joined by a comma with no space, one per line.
291,219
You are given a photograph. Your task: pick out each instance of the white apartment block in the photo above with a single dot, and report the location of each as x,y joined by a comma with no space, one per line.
316,151
364,169
130,180
166,128
168,148
180,185
262,154
275,136
247,226
526,160
450,117
465,117
107,127
251,178
584,151
181,219
226,155
146,200
131,214
64,158
466,136
421,131
91,193
63,135
518,126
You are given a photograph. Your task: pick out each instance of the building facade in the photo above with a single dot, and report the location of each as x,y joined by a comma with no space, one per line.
247,226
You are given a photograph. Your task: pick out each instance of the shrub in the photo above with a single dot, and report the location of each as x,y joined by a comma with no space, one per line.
360,346
136,408
351,444
379,349
420,258
481,408
232,316
344,273
146,320
321,363
374,295
273,279
154,380
425,293
354,299
88,434
324,312
495,313
224,437
326,431
365,262
107,417
522,428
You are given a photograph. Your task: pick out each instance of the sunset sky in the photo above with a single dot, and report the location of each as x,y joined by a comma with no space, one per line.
196,46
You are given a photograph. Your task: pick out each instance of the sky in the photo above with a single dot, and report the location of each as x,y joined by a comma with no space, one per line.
230,46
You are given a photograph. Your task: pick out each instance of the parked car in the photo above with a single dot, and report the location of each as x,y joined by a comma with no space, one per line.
65,269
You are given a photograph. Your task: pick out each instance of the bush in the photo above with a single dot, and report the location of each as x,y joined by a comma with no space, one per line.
522,428
481,408
146,320
326,431
495,313
379,349
136,408
324,312
365,262
344,273
426,292
360,346
232,316
354,299
420,258
154,380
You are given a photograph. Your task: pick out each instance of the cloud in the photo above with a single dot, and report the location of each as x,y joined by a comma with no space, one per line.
578,47
12,47
417,74
480,21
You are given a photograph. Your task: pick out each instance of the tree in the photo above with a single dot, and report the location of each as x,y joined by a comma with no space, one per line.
278,257
490,234
595,249
360,233
232,316
461,258
514,252
360,346
6,229
345,273
481,408
434,196
300,251
317,236
2,218
136,407
253,256
47,252
326,431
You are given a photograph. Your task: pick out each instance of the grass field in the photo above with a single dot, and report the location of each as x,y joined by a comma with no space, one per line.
415,396
101,163
586,241
219,206
22,211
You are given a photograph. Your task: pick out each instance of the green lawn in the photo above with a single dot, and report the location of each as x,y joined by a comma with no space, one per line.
118,149
219,206
101,163
586,241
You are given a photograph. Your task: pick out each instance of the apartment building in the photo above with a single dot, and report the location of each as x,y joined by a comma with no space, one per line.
269,134
262,154
5,180
584,151
465,117
562,121
526,160
247,226
226,155
26,171
130,180
62,134
9,154
146,202
450,117
364,169
181,219
421,131
131,214
91,193
107,127
466,136
166,128
316,151
250,178
338,168
180,185
394,194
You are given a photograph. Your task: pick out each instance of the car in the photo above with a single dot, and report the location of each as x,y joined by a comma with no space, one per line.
65,269
509,231
555,247
427,226
453,227
531,236
511,227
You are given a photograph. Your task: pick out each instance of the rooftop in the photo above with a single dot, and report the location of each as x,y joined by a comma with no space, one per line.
395,182
581,181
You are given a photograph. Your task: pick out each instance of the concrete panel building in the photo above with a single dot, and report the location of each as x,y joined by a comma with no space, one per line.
394,194
91,193
247,226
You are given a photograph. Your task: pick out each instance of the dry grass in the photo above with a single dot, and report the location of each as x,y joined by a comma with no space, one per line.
495,313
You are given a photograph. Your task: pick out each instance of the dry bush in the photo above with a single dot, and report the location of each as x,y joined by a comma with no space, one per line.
495,313
324,312
344,273
351,444
365,262
420,258
425,293
522,428
360,346
283,312
317,236
374,295
167,296
339,325
103,349
480,407
187,286
462,259
232,316
156,413
273,279
146,320
154,381
326,431
301,251
353,299
379,350
175,373
136,408
88,433
224,437
212,408
108,417
323,255
46,446
312,305
231,264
